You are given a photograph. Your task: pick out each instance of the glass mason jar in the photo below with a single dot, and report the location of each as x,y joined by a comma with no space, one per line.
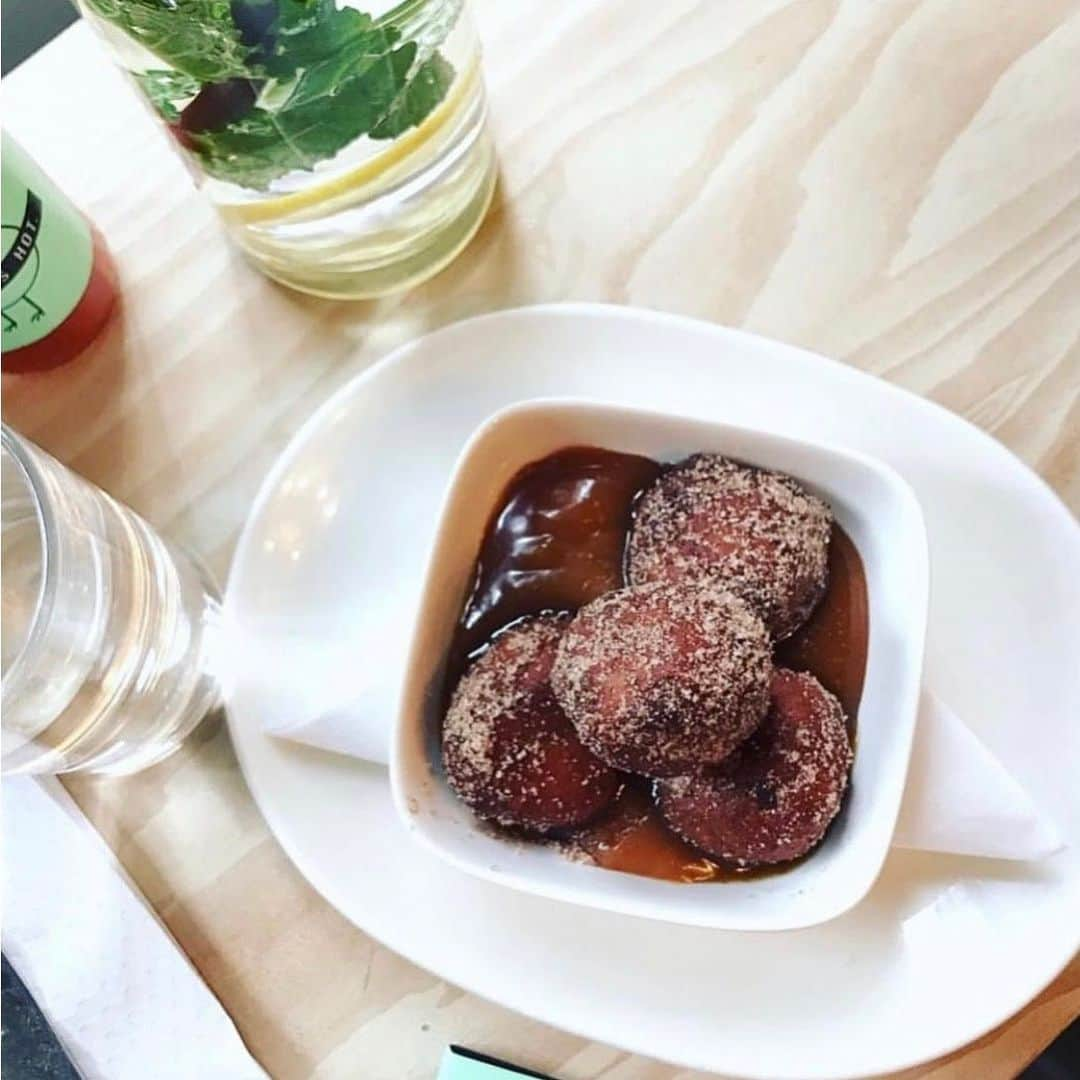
343,143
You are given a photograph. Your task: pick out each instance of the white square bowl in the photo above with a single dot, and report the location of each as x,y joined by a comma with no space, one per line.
876,508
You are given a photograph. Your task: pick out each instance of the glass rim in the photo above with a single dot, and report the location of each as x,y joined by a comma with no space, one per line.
23,456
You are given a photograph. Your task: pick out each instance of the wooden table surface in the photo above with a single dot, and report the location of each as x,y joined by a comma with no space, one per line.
895,183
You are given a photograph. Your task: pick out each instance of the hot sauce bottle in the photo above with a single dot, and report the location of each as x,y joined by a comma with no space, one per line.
59,281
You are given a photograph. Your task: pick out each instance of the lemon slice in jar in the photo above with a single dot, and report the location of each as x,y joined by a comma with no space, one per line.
375,167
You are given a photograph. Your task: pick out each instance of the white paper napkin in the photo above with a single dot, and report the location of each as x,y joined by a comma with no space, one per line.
959,799
333,702
120,994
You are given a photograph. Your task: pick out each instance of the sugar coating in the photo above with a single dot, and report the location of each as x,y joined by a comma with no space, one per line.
773,799
664,679
509,751
759,532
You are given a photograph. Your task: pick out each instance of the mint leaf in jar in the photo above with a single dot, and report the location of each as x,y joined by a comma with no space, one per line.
196,37
423,91
167,90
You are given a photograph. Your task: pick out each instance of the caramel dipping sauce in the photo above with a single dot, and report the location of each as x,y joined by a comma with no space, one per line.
557,540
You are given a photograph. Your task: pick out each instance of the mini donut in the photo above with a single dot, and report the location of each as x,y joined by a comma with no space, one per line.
773,799
509,751
760,533
664,679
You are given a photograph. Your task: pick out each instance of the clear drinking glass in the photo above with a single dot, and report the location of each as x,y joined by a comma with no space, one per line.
106,627
343,142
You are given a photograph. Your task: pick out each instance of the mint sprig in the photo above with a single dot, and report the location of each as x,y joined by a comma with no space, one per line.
324,76
270,142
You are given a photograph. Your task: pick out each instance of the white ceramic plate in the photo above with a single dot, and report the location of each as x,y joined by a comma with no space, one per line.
940,951
876,508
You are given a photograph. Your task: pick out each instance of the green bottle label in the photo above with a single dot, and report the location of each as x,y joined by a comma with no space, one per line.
48,251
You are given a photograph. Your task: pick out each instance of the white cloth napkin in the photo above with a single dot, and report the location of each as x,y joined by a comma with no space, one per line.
121,996
959,799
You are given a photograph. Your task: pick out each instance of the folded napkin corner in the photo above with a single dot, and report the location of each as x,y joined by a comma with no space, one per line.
961,800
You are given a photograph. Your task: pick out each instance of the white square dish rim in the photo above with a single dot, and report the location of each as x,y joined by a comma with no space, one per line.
413,767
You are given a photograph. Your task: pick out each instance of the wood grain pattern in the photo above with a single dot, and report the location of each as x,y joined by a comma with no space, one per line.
895,183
